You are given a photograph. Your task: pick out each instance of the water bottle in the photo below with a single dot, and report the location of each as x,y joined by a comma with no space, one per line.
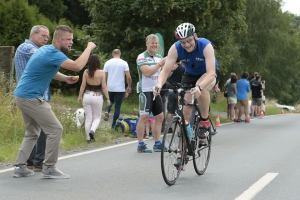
189,130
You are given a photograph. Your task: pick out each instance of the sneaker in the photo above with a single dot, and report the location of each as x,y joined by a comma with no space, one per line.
204,129
252,117
202,143
157,148
53,172
146,136
143,149
37,168
106,116
237,120
92,136
22,171
247,120
259,117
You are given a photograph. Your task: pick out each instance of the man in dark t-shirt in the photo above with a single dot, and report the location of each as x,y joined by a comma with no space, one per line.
175,77
256,88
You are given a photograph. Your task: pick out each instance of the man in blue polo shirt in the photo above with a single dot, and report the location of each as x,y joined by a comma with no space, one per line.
39,36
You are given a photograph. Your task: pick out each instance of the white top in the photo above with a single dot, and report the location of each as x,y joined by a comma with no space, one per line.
116,69
146,83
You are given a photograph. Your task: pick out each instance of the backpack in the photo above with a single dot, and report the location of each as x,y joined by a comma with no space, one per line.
225,93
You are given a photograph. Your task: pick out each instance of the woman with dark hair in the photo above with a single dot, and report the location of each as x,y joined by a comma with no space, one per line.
243,87
231,98
93,86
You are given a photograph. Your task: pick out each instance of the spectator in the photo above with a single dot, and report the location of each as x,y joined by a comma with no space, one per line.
93,86
256,88
39,36
226,91
232,99
116,69
37,114
175,77
149,65
149,125
243,88
254,77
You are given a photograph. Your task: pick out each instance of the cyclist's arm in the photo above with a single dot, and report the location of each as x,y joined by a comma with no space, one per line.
168,67
210,60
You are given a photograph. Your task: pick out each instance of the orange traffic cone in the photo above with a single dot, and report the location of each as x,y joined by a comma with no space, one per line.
282,111
217,121
291,111
262,114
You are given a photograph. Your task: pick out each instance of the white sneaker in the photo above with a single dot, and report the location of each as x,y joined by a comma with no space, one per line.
22,171
53,172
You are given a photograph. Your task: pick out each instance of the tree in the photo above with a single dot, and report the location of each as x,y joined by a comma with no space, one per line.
52,9
270,48
125,24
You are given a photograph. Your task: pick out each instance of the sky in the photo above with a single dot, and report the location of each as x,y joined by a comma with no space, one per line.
292,6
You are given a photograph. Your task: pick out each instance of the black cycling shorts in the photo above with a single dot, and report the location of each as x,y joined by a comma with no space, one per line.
147,105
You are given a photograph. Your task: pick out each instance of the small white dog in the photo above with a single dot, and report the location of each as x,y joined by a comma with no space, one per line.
79,117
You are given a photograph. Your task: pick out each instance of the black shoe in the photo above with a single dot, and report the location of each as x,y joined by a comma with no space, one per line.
202,143
92,136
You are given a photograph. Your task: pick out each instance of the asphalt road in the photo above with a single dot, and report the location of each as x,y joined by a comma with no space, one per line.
259,160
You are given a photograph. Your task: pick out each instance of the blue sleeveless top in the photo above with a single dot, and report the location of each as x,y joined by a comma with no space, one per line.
194,62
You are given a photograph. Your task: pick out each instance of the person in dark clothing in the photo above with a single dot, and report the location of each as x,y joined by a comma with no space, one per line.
256,88
175,77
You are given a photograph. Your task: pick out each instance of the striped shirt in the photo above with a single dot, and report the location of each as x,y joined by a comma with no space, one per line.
22,56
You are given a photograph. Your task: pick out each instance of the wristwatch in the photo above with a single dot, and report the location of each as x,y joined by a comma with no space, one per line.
200,87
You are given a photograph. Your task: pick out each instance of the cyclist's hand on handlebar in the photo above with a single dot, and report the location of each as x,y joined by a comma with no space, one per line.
156,90
196,92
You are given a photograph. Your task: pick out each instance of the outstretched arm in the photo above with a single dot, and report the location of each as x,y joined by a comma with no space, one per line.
80,62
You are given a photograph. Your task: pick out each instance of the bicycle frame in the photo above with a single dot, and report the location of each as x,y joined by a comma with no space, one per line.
179,114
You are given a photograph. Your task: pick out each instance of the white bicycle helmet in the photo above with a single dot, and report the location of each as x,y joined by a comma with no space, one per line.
184,30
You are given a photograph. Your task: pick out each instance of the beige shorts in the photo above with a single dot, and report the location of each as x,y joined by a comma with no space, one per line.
231,100
242,103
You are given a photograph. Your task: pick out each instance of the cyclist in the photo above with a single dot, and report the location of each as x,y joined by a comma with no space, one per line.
198,58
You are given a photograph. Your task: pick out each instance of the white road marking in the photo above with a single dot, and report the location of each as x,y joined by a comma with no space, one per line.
256,187
82,153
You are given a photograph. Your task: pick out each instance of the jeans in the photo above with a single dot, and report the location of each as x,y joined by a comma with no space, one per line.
37,155
92,106
115,98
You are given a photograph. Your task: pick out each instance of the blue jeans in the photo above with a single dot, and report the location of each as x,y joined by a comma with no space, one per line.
115,98
37,155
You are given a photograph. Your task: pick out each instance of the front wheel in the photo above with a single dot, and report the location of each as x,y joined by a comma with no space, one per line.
170,159
202,152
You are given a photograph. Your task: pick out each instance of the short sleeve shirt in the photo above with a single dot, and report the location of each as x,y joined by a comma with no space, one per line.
230,89
147,83
243,87
39,72
256,87
116,69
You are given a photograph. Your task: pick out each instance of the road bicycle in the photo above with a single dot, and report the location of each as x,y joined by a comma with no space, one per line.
180,148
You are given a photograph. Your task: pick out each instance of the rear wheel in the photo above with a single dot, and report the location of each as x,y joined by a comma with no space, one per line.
202,152
170,159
